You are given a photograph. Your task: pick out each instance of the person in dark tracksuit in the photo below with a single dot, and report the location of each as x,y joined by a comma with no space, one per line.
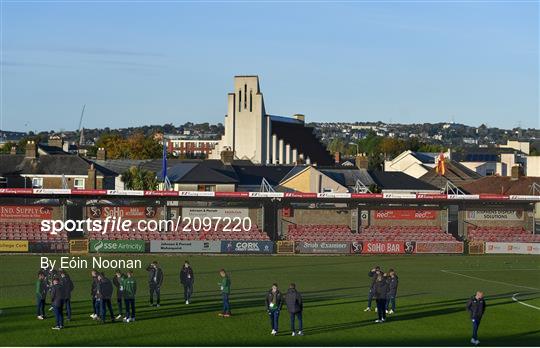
117,282
225,287
96,305
373,275
273,307
130,289
67,289
295,307
476,307
187,279
392,291
105,292
380,292
155,280
41,293
57,302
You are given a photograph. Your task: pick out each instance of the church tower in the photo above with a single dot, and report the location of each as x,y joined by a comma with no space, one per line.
245,125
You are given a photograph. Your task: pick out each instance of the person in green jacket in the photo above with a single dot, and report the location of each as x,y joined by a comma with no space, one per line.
41,293
129,285
225,286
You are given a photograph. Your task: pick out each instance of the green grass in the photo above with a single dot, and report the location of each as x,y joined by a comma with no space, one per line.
430,303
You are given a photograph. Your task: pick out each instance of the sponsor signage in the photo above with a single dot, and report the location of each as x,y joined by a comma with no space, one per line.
439,247
285,247
191,212
476,248
323,247
184,246
494,215
78,246
25,212
116,246
14,246
512,248
129,213
385,248
247,247
405,214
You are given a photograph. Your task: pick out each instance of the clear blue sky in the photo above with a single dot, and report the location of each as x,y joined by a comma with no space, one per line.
154,63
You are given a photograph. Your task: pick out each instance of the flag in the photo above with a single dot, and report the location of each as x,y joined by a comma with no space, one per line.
164,164
440,167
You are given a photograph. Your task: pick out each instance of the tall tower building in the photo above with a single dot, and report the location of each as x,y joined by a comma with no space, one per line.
254,135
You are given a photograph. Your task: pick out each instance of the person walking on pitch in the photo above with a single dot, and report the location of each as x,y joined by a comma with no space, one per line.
117,282
225,287
392,291
187,279
41,293
155,280
373,275
476,307
129,284
295,307
273,307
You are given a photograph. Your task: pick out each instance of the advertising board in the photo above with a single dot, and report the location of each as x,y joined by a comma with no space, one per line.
185,246
323,247
247,247
116,246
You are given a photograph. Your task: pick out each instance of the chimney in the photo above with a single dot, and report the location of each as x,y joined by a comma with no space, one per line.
13,150
362,161
31,149
517,171
91,180
337,157
56,141
101,154
300,117
227,156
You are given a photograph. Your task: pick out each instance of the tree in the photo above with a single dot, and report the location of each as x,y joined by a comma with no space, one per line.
135,146
139,179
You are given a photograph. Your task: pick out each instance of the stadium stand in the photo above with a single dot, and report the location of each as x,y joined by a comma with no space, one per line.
502,234
342,233
320,233
30,231
406,233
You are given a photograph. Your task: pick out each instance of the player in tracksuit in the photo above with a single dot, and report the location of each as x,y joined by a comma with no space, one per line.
274,301
117,282
373,275
96,304
380,292
476,307
41,293
155,280
187,279
130,289
104,293
57,303
392,291
67,288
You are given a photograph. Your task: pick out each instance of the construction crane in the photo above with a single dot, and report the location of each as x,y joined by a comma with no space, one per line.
81,131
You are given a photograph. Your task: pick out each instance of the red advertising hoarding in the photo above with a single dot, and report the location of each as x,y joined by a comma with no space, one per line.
405,214
383,248
9,212
102,212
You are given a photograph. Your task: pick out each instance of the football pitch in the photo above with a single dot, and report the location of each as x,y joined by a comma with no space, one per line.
432,294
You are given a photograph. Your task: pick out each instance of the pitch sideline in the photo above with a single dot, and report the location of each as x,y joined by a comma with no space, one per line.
523,303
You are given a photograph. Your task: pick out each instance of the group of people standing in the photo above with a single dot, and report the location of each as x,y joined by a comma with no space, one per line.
102,290
295,306
383,288
59,285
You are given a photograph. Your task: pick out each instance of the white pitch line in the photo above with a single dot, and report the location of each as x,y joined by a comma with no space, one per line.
492,270
488,280
523,303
